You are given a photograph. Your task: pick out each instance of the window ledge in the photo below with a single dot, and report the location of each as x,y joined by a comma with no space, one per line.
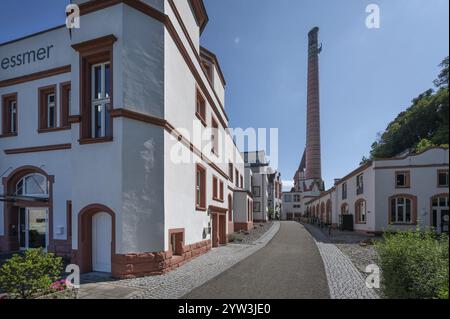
8,135
200,209
442,186
218,200
86,141
56,129
201,118
403,224
402,187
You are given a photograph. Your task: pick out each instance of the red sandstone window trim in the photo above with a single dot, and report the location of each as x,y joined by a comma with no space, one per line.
406,177
231,172
65,90
200,107
200,188
93,52
9,124
439,172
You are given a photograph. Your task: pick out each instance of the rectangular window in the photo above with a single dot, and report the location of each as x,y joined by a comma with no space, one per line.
256,207
242,181
200,109
200,188
47,108
401,210
443,178
9,114
344,191
230,171
360,211
215,189
297,198
214,136
256,190
221,191
96,89
360,184
101,101
66,103
402,179
236,182
208,67
287,198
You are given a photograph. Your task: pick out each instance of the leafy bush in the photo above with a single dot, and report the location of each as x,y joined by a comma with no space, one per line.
31,274
414,265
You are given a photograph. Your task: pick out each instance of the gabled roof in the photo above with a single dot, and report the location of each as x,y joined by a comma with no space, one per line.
212,58
200,14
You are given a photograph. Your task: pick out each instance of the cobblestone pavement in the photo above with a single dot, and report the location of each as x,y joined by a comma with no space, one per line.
344,279
182,280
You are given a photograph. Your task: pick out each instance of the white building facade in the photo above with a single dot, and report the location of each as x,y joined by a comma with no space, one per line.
114,148
291,207
392,194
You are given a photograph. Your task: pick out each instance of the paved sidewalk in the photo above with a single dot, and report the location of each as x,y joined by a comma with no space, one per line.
344,280
178,282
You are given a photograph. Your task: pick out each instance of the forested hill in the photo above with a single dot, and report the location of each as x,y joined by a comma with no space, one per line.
424,124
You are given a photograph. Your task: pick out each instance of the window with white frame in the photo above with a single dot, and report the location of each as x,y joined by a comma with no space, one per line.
51,110
360,208
13,111
297,198
401,210
256,207
287,198
443,178
100,100
344,191
33,185
360,184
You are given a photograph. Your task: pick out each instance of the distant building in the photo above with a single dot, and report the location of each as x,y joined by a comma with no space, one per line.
396,193
265,185
291,206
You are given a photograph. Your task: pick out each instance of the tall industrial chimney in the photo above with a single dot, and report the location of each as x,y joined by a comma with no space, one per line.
313,153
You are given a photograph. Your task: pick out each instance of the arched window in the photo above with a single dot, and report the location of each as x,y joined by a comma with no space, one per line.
34,184
402,209
360,211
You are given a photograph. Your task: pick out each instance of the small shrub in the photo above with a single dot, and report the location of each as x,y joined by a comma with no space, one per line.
414,265
31,274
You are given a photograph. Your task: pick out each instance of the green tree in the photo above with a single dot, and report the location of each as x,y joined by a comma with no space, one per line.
424,124
31,274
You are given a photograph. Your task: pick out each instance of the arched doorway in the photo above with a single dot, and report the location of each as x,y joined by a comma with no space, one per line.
96,239
329,219
27,209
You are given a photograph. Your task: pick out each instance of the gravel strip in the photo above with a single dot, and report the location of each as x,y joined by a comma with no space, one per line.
253,235
344,279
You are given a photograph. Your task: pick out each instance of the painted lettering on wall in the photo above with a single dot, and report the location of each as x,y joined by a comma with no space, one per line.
27,57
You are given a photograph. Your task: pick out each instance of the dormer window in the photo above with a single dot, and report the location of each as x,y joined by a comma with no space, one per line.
209,70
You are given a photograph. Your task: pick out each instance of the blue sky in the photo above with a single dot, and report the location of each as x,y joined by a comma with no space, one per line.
367,76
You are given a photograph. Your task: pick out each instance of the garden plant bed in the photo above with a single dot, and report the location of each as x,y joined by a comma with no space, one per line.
249,237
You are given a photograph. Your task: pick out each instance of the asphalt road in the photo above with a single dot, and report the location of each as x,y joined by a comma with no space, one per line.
289,267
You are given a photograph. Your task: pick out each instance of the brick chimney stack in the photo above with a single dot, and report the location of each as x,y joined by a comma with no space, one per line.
313,153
